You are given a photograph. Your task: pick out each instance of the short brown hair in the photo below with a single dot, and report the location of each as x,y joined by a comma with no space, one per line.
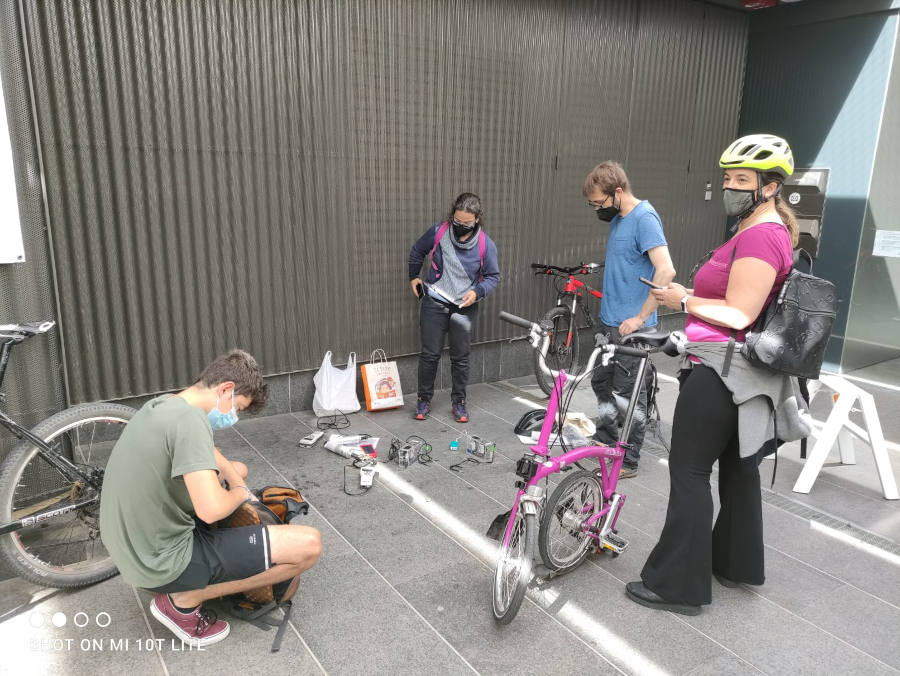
606,177
241,368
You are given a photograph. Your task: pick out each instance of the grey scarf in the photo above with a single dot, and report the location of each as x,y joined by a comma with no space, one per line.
752,388
454,281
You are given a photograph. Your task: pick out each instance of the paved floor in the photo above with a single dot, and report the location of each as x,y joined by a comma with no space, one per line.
403,585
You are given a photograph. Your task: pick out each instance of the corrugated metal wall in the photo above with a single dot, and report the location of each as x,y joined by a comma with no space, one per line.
254,173
33,381
720,72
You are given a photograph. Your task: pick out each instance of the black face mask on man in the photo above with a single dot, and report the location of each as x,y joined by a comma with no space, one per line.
607,213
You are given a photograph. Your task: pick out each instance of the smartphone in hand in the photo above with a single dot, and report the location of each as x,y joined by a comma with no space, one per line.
650,284
420,290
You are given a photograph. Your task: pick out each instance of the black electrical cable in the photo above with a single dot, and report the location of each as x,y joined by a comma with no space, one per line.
457,466
425,455
559,396
562,408
565,401
332,422
356,464
423,452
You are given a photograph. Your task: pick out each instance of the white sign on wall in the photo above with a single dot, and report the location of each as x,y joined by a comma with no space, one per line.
12,249
887,243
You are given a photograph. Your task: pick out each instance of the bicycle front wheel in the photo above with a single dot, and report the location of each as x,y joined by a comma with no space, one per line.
65,550
513,572
562,352
563,540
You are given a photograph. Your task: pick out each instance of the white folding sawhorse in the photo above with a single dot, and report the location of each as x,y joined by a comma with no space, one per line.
838,428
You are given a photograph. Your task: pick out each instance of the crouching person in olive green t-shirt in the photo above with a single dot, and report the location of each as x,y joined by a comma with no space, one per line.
165,483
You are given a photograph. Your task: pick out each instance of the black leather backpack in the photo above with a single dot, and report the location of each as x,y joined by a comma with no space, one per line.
791,333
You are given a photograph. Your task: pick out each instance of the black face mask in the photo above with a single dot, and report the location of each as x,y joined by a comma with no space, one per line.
460,231
607,213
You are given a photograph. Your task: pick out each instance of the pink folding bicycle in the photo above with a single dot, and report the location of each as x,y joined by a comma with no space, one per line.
582,511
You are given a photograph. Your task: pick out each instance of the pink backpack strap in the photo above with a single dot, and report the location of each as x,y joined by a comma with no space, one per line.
441,231
482,243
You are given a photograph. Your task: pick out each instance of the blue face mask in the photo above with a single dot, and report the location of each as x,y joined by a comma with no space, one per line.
219,420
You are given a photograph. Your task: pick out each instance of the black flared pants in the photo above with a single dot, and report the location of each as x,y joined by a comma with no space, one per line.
690,549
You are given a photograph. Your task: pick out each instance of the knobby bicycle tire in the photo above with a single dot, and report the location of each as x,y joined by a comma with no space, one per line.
559,356
507,601
63,551
562,541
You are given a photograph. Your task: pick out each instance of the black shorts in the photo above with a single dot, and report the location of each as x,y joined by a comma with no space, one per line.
223,555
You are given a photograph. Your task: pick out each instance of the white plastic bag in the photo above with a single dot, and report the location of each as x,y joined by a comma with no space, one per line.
335,388
577,431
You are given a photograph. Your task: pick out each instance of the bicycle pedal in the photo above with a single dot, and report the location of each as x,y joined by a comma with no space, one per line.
614,543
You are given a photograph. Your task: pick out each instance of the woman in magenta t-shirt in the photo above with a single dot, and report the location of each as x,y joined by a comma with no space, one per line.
730,291
768,243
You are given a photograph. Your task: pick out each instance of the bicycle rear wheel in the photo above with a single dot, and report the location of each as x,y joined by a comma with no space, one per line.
562,352
62,551
513,571
562,540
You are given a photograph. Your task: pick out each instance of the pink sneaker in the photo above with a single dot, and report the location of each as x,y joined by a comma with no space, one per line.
199,627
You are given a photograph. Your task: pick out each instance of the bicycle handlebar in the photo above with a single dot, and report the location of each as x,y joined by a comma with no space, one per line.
620,349
584,268
670,347
634,351
513,319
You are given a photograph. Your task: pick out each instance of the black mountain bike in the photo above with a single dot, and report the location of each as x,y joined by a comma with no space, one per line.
563,350
50,486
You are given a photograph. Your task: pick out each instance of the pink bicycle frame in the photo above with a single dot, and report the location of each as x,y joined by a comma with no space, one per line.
551,465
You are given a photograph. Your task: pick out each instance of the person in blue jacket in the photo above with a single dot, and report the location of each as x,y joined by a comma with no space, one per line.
462,269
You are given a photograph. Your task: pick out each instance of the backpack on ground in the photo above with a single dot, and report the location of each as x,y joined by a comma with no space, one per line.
277,505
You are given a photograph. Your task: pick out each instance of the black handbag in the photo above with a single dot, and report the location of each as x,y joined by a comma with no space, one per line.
792,332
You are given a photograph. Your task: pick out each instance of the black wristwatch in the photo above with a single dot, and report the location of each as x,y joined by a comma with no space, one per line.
684,300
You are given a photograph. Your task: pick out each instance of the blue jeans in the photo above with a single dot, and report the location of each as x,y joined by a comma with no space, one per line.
437,320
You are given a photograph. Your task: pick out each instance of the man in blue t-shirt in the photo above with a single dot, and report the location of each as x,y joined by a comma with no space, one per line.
636,248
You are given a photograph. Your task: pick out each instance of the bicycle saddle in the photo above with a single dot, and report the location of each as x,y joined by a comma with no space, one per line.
653,337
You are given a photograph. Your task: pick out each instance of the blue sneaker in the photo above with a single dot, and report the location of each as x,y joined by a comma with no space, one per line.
423,408
459,412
